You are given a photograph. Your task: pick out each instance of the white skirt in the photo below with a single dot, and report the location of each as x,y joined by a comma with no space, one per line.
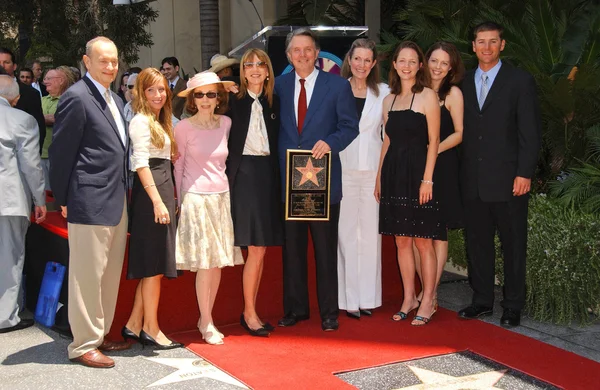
205,233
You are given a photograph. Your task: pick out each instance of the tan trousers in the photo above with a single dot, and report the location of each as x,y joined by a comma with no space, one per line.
95,264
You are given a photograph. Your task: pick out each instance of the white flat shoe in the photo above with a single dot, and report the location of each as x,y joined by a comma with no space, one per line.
211,335
214,329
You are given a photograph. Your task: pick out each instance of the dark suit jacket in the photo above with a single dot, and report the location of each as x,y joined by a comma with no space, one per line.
239,112
331,117
43,89
88,161
502,140
31,102
178,102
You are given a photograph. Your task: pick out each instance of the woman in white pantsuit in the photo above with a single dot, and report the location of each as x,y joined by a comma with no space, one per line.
359,242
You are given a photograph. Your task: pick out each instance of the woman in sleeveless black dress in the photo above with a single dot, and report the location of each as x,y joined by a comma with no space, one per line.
408,208
446,69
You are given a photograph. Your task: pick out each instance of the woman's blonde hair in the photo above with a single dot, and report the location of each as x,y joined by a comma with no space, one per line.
269,83
163,124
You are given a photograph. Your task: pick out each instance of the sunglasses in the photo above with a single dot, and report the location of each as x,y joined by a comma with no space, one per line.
200,95
130,86
259,64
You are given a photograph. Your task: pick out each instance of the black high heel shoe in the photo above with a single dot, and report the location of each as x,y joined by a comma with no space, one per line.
127,334
260,332
146,339
355,315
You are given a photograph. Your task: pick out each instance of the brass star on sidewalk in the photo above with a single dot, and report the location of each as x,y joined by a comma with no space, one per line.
188,369
309,172
438,381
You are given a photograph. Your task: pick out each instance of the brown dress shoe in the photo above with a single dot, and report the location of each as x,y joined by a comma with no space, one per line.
110,346
94,359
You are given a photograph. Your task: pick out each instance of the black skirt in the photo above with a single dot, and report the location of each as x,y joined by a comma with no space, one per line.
151,244
256,204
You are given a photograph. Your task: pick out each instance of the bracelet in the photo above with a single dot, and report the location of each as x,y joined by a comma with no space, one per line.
150,185
427,182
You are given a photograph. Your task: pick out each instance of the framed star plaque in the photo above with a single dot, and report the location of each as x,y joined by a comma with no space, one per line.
307,182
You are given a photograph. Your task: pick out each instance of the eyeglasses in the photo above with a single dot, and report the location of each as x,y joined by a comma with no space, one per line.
259,64
200,95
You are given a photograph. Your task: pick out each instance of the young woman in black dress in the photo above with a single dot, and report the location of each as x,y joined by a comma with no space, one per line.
404,189
447,70
253,173
153,227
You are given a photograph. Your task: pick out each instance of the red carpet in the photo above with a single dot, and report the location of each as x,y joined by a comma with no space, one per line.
304,357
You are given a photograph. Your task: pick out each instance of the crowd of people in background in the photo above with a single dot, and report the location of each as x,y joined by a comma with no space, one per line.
207,159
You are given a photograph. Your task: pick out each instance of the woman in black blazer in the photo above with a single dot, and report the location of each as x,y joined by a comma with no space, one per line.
252,169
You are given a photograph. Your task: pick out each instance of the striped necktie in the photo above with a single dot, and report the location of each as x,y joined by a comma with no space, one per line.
484,89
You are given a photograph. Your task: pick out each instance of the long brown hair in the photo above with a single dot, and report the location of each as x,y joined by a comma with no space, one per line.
373,77
422,77
457,67
163,124
269,83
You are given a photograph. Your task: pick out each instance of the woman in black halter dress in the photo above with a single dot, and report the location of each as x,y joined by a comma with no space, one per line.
446,69
408,207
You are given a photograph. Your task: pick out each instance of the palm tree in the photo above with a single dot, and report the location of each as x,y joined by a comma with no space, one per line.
209,30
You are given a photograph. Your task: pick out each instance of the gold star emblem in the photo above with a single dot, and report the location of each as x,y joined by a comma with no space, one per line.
438,381
309,172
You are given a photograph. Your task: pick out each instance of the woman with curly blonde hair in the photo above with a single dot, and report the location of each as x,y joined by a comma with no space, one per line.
153,227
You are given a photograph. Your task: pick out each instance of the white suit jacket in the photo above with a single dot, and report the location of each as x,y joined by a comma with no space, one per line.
363,153
21,175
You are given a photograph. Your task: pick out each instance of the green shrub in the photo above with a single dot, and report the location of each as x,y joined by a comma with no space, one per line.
563,261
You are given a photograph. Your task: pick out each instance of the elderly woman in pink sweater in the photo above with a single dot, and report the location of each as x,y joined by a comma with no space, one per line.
204,242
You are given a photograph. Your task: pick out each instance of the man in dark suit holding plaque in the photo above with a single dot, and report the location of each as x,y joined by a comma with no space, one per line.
88,171
501,141
318,113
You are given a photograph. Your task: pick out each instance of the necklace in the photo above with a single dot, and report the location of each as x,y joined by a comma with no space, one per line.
358,87
212,123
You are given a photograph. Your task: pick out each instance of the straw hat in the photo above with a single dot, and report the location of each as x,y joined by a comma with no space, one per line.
219,62
202,79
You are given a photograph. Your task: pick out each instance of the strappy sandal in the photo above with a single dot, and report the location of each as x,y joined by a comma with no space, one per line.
424,321
402,315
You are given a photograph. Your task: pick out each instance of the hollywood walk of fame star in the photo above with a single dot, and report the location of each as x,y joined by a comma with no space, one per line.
438,381
309,172
188,369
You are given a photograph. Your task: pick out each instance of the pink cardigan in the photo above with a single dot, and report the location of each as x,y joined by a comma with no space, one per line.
201,165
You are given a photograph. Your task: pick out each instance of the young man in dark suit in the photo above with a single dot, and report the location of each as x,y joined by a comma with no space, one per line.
170,67
318,113
30,100
88,171
501,141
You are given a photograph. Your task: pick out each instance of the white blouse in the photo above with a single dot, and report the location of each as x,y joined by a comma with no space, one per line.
257,140
143,149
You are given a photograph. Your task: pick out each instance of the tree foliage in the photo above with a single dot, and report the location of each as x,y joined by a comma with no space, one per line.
59,29
557,41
